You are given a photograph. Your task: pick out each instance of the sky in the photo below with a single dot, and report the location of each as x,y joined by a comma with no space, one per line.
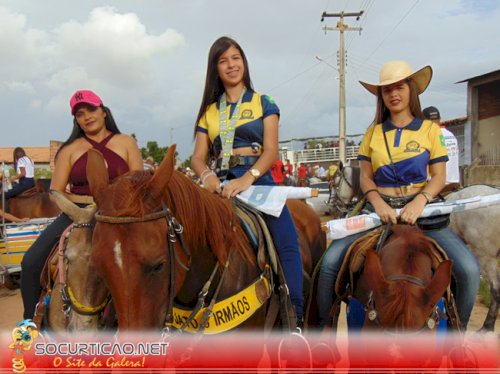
147,60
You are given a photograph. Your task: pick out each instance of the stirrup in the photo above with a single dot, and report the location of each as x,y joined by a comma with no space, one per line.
299,327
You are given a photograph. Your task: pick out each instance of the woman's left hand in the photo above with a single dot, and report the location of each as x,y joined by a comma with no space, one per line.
412,211
235,186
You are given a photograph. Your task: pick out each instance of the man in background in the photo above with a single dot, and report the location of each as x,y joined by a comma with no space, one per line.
452,166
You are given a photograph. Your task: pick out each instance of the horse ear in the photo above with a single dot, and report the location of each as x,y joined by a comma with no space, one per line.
97,173
439,282
77,214
373,272
162,175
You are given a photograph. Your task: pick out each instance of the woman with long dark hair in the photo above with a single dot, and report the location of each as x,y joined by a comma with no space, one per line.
403,165
235,120
93,127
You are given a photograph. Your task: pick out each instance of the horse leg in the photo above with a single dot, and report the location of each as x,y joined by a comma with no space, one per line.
493,277
491,274
491,317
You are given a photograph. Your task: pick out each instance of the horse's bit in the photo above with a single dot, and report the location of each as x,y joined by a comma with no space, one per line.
175,230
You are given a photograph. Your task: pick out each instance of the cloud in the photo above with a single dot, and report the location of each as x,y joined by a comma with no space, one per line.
25,87
23,49
114,46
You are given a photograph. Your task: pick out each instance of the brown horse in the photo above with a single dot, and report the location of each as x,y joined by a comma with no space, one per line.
398,285
77,297
34,203
160,236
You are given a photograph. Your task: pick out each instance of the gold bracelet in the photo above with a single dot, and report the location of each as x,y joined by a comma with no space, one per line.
427,196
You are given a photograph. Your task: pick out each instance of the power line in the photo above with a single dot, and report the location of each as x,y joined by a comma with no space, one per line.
342,27
393,29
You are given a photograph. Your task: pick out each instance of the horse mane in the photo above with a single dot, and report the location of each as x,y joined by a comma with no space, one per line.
208,219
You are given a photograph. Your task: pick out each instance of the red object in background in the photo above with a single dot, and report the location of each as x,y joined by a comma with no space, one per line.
277,172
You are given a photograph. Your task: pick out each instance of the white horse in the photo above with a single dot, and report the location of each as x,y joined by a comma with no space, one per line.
344,190
475,227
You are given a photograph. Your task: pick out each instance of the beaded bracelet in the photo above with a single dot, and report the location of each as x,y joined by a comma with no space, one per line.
206,176
207,170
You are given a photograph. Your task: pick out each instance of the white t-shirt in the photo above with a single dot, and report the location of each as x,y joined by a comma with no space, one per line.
452,169
28,166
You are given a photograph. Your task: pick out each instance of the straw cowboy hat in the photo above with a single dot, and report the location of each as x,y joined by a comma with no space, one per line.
395,71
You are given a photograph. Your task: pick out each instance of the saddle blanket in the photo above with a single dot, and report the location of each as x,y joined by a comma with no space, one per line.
340,228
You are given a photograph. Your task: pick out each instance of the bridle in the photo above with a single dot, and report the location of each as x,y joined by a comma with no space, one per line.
67,295
175,231
430,322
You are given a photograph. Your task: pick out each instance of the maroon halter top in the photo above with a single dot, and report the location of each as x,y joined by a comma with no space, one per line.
78,175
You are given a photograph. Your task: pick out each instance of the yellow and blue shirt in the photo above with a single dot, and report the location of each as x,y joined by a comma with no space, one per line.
413,148
250,124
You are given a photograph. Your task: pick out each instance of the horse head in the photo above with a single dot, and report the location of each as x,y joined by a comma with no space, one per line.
344,186
404,289
133,244
80,296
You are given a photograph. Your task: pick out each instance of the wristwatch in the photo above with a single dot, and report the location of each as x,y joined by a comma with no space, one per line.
255,173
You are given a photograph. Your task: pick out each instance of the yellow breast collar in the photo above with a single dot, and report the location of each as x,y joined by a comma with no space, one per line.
228,313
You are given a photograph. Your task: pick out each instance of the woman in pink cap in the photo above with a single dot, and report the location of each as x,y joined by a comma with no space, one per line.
93,127
403,165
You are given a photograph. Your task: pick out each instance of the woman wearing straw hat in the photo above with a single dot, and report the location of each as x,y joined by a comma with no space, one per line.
403,165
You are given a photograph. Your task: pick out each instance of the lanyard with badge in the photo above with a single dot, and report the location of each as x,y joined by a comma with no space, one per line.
227,129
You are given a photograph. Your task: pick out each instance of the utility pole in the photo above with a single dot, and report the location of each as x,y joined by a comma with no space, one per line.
341,26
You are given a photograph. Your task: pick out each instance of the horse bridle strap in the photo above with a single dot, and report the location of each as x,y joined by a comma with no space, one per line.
147,217
407,278
430,322
175,230
68,297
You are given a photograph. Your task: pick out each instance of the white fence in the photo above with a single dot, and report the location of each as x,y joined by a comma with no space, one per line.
324,154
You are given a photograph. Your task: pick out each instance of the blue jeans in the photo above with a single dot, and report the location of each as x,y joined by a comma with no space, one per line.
329,269
285,239
465,272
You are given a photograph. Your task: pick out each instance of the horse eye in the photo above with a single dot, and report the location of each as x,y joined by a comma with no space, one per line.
158,267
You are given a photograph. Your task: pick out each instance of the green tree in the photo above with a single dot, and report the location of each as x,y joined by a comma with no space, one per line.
186,163
152,149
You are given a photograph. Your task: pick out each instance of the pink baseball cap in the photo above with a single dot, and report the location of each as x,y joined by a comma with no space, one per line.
84,96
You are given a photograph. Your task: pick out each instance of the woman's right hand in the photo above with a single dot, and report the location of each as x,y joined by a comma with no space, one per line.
212,184
385,212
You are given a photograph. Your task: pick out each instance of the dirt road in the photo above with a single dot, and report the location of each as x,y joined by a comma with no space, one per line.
11,307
